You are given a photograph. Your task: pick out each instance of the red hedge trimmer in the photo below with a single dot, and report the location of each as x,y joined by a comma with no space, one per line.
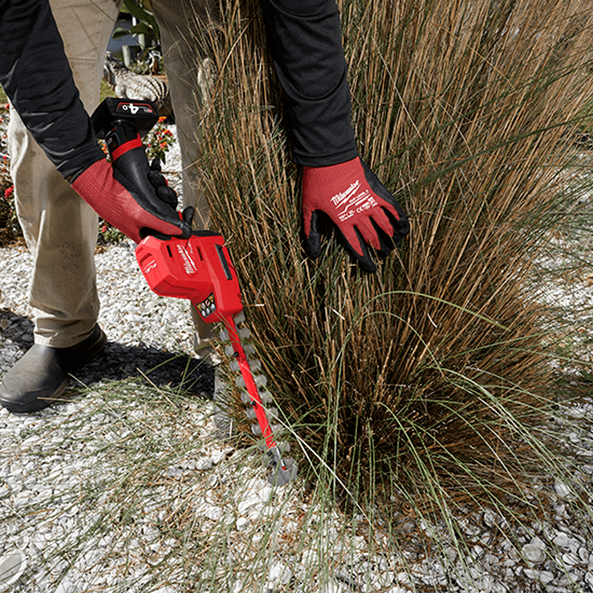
198,269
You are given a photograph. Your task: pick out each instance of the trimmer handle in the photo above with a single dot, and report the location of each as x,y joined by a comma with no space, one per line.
123,123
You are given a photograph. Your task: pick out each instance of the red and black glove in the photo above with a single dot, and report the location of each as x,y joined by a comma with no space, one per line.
135,212
360,206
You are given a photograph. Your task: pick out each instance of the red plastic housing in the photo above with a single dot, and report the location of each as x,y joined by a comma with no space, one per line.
198,269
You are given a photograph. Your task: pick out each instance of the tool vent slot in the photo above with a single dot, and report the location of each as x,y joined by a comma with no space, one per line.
223,261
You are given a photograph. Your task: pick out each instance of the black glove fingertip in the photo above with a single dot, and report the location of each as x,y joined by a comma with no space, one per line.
312,247
156,179
364,261
312,243
167,195
187,215
400,226
155,165
387,243
186,229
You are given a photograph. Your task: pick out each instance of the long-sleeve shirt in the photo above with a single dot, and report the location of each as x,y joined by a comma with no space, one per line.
308,57
36,76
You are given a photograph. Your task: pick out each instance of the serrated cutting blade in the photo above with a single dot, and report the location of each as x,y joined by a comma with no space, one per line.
284,470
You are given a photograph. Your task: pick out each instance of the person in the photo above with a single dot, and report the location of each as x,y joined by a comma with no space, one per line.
305,43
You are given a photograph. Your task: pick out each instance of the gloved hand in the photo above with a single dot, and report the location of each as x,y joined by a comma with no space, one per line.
116,199
363,210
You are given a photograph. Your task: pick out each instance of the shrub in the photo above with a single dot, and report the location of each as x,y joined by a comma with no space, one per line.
426,383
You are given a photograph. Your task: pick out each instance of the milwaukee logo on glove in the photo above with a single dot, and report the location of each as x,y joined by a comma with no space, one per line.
350,202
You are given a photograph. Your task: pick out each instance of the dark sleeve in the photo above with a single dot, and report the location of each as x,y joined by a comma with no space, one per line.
36,76
305,41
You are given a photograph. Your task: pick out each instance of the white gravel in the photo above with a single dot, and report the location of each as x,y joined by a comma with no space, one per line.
61,476
139,316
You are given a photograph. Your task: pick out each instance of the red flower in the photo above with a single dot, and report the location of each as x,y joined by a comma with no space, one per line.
8,192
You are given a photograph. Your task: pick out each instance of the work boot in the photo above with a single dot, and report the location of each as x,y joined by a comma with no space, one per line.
40,377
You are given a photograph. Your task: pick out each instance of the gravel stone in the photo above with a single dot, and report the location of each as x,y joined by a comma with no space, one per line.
204,463
533,554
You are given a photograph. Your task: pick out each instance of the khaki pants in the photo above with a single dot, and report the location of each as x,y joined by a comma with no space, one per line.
59,227
178,22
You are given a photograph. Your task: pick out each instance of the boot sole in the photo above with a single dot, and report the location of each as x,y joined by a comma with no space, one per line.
35,405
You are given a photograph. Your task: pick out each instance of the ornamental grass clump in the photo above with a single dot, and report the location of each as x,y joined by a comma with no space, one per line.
424,386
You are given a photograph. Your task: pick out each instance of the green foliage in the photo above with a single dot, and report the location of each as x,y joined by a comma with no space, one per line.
146,23
108,234
10,229
158,141
105,90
